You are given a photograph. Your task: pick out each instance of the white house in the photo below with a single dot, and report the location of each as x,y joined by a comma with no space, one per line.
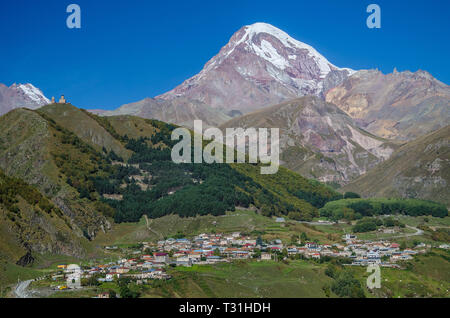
184,261
161,257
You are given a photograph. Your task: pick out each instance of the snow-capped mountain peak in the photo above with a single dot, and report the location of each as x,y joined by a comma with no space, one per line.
21,95
31,92
259,66
266,51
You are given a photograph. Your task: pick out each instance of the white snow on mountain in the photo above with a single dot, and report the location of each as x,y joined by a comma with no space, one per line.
261,65
33,93
21,95
289,42
266,50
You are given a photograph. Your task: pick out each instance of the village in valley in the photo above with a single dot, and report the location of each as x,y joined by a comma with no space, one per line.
149,261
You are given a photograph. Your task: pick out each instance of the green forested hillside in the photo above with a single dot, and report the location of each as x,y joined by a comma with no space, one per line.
159,187
351,209
94,167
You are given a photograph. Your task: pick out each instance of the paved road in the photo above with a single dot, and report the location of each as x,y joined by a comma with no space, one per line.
318,223
418,232
21,289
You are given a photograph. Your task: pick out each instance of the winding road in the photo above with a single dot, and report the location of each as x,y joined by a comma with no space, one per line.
317,223
418,231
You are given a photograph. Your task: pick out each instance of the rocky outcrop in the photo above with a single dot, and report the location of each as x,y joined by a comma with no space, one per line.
401,105
26,260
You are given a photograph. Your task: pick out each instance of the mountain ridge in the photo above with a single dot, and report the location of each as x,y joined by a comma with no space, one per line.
260,66
399,105
21,95
319,140
297,66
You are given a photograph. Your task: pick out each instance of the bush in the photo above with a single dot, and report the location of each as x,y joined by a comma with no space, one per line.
365,225
330,271
351,195
362,207
346,285
382,206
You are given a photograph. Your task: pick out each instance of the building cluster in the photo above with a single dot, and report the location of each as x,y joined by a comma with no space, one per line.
150,260
207,248
383,253
214,248
132,268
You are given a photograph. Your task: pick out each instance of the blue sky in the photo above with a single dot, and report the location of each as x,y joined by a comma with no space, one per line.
129,50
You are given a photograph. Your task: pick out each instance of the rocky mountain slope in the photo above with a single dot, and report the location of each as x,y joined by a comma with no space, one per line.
39,151
181,111
31,224
401,105
260,66
319,140
20,95
419,169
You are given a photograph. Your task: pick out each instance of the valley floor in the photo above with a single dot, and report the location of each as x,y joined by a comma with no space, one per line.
425,275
